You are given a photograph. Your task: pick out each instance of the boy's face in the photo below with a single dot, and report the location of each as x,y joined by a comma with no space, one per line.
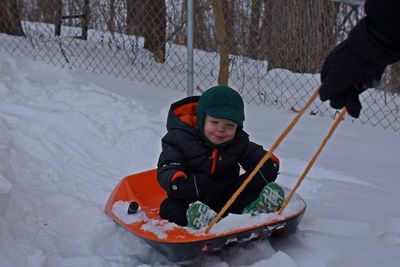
219,131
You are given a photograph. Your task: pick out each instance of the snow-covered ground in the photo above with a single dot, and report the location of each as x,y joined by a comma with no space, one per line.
68,137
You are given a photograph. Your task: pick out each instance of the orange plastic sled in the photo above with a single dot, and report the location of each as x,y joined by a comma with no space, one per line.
180,244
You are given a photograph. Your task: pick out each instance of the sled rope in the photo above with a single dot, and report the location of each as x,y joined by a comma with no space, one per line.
264,159
314,158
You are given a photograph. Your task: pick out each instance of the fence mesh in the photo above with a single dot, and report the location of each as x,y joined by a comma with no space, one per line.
272,49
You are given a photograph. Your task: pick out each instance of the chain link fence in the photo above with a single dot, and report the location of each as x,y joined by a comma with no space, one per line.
272,49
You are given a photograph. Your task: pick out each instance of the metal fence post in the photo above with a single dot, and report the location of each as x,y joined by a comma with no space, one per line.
190,47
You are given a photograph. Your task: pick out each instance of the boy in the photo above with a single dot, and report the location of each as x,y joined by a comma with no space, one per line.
202,153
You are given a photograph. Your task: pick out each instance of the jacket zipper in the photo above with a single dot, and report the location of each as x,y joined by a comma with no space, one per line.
214,155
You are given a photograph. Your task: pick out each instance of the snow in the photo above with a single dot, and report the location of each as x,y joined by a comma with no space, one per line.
226,224
68,137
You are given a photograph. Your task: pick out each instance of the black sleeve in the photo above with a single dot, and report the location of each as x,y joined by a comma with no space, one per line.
377,36
170,161
252,155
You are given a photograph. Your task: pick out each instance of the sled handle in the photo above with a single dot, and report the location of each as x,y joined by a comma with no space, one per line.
264,158
314,158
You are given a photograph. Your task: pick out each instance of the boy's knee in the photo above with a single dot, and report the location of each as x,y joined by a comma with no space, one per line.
174,211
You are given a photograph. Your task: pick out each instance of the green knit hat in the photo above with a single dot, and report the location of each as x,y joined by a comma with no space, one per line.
221,102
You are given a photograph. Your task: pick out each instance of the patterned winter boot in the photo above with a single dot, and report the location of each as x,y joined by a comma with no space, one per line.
199,215
269,200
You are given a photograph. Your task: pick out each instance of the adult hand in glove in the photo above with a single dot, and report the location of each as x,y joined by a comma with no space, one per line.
192,187
345,76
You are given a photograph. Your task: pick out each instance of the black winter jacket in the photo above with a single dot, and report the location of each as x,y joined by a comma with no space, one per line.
377,36
184,149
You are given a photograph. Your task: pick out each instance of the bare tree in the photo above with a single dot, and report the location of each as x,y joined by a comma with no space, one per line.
58,17
155,29
229,9
223,76
253,42
10,22
148,18
85,19
204,34
46,8
111,17
394,83
135,19
299,32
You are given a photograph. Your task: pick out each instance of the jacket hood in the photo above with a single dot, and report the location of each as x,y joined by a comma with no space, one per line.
182,115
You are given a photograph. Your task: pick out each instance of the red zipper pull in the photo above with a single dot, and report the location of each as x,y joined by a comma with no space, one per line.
214,155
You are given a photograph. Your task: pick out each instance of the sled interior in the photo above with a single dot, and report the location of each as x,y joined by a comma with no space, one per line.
181,244
144,189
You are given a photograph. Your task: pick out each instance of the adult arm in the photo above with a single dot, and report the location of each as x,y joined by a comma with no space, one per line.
359,62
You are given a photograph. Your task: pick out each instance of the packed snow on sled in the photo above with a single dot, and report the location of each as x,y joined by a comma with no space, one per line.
134,204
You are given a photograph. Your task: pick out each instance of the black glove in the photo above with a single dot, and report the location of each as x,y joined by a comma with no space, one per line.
345,76
270,170
192,188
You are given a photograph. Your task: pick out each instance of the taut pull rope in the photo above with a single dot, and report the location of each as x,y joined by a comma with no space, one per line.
314,158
